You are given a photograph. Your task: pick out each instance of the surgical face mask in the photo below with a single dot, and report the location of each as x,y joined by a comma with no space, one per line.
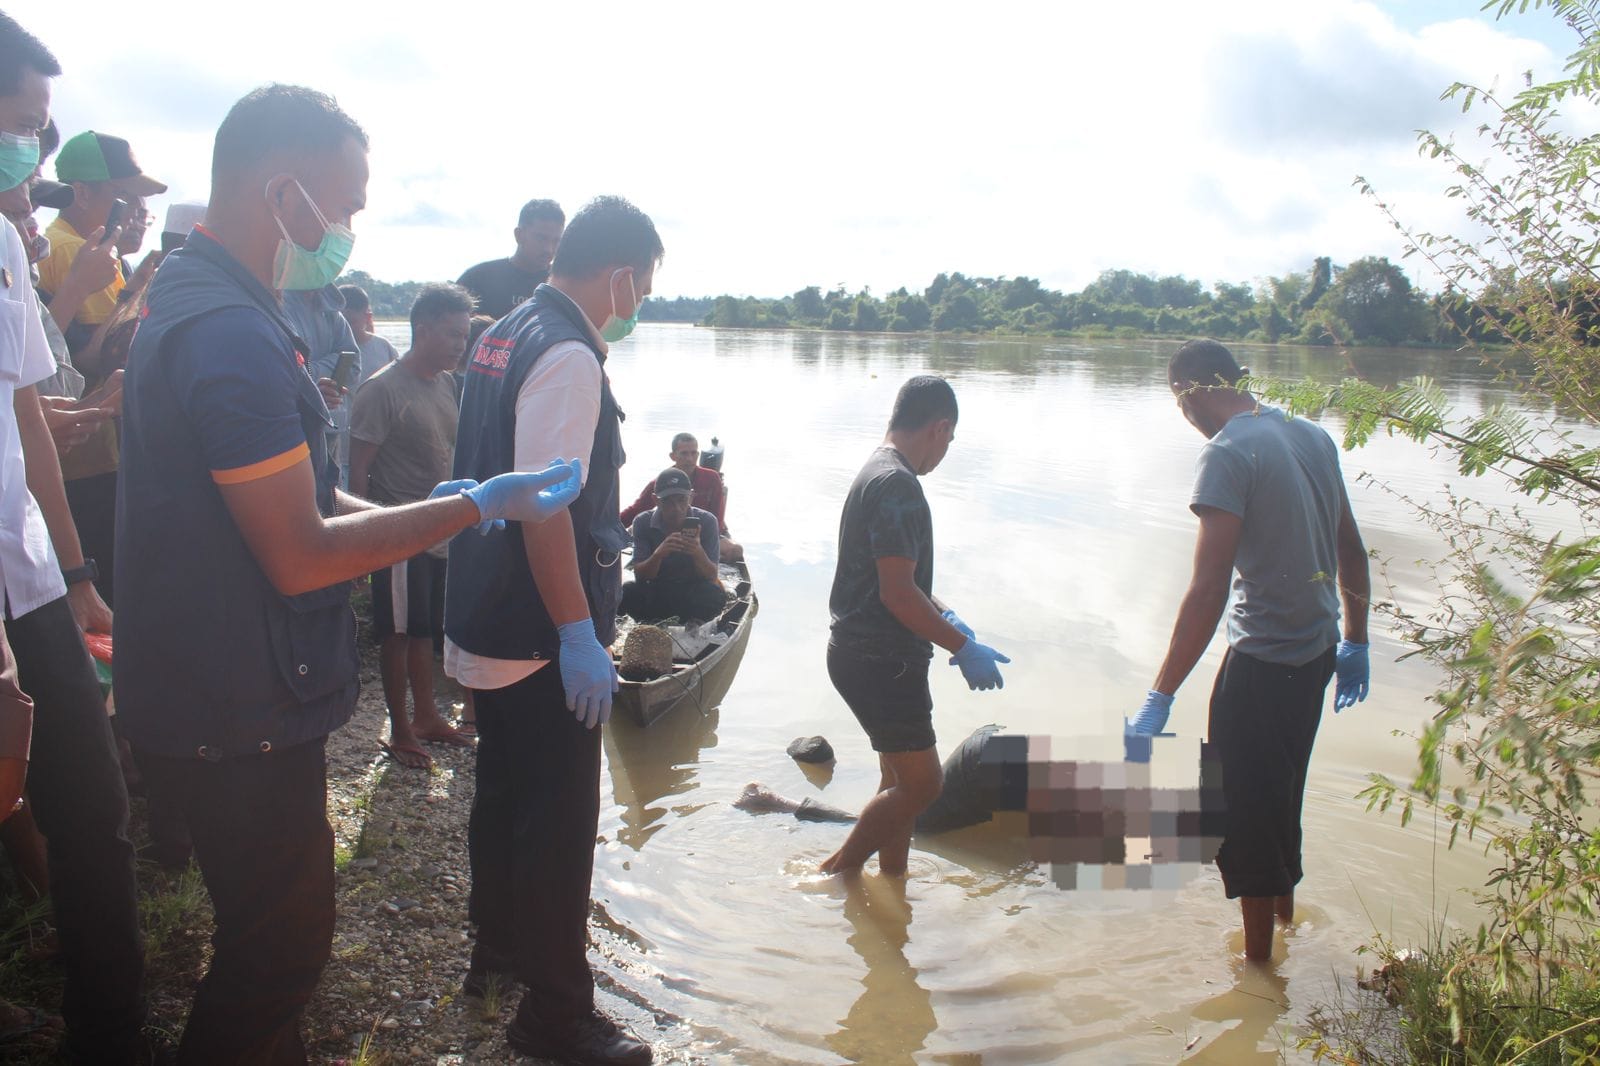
296,268
616,327
19,158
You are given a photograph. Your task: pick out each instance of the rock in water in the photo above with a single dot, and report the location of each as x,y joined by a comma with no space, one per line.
811,749
646,654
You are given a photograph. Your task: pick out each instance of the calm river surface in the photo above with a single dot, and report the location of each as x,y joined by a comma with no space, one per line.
1064,537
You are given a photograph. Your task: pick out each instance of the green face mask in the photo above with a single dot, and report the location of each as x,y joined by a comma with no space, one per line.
19,158
297,268
615,328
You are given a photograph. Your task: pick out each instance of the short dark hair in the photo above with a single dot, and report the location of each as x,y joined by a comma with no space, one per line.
275,120
438,300
541,211
922,400
681,437
1204,362
478,324
355,298
19,49
608,232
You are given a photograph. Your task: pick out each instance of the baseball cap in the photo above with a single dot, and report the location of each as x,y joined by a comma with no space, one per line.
46,193
92,156
673,482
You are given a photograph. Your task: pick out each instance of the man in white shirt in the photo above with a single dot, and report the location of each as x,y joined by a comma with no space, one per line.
530,613
76,787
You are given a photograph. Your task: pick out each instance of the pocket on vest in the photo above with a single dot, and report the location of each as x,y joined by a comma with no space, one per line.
313,641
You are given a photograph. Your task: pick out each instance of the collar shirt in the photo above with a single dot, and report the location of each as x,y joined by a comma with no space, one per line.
29,572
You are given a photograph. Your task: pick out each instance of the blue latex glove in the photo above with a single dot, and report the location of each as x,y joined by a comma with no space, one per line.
587,673
1354,672
958,625
528,496
456,488
978,664
1152,716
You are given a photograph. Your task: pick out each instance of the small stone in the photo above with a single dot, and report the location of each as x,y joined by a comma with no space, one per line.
406,904
363,864
390,908
428,871
389,1023
811,749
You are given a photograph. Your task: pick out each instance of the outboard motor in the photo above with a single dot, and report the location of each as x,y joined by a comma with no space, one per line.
711,457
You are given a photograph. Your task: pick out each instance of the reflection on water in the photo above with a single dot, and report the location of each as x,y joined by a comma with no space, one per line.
1064,536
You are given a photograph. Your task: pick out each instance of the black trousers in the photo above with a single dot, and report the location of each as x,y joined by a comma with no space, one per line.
76,790
531,842
1264,719
652,601
93,501
265,849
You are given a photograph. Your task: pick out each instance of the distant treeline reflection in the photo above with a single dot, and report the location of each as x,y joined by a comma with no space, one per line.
1370,301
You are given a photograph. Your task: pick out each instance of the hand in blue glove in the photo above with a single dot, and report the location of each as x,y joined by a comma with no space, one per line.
1354,673
979,665
528,496
587,673
958,625
1152,716
456,488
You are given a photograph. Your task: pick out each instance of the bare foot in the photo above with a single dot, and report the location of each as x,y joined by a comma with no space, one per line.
436,729
407,754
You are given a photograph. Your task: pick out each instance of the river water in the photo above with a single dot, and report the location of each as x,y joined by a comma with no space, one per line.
1064,537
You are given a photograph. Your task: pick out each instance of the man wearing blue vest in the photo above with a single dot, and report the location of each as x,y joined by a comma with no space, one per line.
236,652
530,613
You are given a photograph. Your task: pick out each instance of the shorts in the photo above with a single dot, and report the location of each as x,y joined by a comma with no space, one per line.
408,598
1264,719
889,697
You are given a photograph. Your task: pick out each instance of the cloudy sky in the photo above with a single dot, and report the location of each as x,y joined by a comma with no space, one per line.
868,143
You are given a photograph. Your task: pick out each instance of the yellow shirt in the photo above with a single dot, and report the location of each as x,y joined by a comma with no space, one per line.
65,243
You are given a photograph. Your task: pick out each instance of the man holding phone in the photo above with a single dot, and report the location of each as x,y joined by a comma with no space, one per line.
676,548
106,181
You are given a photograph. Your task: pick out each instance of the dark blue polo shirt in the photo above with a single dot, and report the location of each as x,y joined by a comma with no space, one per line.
212,661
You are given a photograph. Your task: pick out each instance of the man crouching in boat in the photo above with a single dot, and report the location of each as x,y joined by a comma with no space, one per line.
885,623
530,611
675,549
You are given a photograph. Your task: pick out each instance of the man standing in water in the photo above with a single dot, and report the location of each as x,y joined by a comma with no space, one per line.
1272,506
530,614
886,621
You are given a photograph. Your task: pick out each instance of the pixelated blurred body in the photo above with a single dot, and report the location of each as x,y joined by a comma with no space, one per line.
1149,821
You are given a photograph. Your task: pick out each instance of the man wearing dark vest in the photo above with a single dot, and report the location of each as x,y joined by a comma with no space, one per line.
530,614
236,651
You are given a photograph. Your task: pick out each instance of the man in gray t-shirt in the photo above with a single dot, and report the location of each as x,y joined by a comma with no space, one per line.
1273,509
402,444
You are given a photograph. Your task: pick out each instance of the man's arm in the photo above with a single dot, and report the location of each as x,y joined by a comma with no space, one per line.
646,500
911,607
362,453
44,482
553,558
1203,603
650,567
300,550
1355,581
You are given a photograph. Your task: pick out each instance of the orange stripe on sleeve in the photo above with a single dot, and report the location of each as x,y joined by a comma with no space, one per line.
265,468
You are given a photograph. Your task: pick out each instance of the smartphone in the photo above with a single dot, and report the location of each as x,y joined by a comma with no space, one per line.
118,215
346,369
691,525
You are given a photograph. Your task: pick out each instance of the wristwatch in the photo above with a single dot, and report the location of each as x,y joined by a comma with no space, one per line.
87,572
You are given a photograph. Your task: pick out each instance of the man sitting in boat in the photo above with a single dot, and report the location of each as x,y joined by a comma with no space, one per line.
675,552
710,493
